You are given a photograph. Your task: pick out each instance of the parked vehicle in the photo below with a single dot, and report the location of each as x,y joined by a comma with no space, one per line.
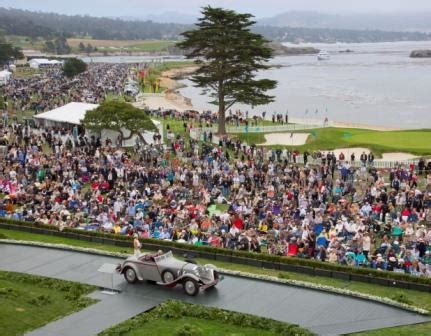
166,270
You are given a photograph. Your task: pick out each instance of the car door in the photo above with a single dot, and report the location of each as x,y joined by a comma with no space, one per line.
149,269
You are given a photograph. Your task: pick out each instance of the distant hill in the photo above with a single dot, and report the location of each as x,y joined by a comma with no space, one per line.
47,25
22,22
399,22
314,35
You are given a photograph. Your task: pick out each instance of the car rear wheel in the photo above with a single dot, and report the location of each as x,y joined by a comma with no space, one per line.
168,276
191,287
130,275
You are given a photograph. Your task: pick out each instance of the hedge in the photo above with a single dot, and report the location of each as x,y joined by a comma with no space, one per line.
176,310
242,257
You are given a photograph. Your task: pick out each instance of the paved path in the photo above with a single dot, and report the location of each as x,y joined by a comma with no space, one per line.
324,313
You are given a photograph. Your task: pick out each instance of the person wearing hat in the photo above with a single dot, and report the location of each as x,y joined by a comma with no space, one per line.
380,262
136,245
392,264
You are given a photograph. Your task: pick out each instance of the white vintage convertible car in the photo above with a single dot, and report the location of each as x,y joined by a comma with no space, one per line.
164,269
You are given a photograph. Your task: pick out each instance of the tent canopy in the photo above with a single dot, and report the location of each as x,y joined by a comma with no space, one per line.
71,113
5,74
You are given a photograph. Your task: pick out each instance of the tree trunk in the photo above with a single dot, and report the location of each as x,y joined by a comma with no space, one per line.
221,111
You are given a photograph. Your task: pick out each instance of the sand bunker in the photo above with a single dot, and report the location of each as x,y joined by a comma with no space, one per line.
286,139
385,157
397,157
163,102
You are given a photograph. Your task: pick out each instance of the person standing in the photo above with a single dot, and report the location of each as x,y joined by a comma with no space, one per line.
136,245
371,158
363,159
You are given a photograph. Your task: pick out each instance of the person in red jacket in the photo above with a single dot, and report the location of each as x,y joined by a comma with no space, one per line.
292,247
238,222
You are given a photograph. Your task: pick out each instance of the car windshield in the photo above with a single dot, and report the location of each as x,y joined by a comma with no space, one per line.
163,256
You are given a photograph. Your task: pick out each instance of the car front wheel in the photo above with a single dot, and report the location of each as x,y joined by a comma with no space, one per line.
168,277
130,275
191,287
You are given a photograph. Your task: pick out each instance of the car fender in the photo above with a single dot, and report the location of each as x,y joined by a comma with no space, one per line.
180,279
135,268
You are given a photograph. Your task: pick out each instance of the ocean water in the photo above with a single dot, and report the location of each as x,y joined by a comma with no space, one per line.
376,84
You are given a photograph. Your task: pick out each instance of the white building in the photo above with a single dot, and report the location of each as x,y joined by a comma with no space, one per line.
37,63
4,77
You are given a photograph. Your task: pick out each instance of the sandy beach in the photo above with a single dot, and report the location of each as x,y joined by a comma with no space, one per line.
286,139
170,99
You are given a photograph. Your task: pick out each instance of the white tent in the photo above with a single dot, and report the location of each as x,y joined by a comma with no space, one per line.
71,113
4,77
36,63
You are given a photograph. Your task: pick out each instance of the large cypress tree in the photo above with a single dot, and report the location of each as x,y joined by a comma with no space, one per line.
230,56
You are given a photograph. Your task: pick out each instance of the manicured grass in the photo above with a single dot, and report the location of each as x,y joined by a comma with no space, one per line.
151,46
252,138
183,319
410,141
412,297
168,327
21,235
124,45
29,302
25,42
25,71
422,329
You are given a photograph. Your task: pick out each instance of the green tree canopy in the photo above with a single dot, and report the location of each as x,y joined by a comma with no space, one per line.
73,67
8,52
230,56
120,117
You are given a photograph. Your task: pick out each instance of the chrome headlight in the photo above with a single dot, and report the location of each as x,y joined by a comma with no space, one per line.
204,272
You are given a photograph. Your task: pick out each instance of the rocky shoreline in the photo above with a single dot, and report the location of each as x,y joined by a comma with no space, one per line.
281,50
420,54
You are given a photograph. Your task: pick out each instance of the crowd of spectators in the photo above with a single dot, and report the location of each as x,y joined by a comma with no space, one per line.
224,195
51,89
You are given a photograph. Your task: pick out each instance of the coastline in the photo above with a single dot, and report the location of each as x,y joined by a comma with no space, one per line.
171,98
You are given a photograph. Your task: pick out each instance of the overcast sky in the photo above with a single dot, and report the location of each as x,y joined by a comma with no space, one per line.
260,8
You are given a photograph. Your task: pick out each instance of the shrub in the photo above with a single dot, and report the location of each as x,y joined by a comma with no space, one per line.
177,310
40,300
7,292
188,330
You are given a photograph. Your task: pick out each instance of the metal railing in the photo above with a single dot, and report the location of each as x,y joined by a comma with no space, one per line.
265,128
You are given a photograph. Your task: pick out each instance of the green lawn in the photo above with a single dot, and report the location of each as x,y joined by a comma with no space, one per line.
412,297
21,235
25,42
410,141
423,329
150,46
183,319
29,302
168,327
